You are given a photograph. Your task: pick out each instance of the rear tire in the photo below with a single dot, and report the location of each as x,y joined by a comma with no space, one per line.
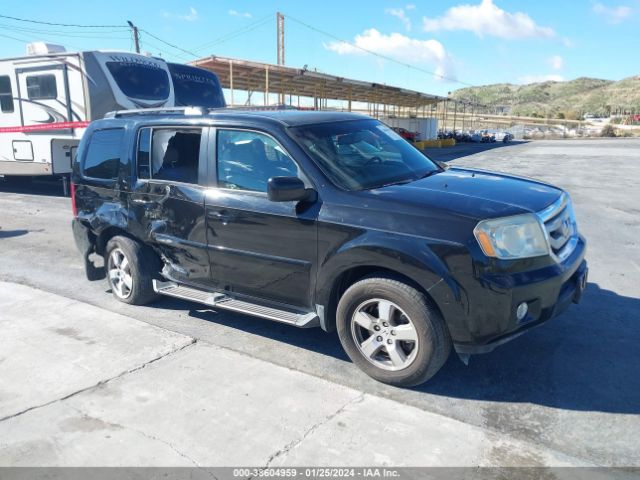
392,332
131,268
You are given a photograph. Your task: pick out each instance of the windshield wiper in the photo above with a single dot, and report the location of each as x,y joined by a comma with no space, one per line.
428,174
402,182
397,182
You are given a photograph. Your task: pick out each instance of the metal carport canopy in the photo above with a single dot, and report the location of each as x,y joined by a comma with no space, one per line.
236,74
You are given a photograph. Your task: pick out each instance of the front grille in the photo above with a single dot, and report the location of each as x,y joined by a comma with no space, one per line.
560,227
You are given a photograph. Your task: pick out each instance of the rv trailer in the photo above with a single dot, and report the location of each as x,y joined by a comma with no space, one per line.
48,98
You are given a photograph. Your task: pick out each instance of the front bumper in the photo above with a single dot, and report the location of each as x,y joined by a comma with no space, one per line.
547,292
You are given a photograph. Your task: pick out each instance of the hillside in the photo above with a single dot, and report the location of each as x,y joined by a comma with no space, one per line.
571,99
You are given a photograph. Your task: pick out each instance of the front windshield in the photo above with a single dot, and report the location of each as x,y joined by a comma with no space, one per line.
196,87
140,80
363,154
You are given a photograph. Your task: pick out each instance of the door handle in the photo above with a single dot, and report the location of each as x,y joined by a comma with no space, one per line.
223,215
164,239
144,198
142,201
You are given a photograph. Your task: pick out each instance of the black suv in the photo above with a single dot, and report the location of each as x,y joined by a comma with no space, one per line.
324,219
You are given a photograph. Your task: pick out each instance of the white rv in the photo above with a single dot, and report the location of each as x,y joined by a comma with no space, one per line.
48,97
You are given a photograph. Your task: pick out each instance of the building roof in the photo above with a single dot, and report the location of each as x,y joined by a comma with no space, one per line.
252,76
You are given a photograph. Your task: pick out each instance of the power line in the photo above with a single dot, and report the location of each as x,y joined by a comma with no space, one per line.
22,40
60,24
32,31
13,38
122,28
235,33
379,55
217,41
66,32
144,43
168,44
231,37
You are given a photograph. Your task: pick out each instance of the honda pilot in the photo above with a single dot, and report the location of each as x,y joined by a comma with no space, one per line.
324,219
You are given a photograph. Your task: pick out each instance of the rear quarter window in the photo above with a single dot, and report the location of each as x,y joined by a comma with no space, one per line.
102,158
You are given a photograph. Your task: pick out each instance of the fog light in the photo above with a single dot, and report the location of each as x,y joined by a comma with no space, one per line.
521,312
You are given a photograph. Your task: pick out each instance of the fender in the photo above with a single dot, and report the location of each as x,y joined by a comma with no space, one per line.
411,256
108,215
89,234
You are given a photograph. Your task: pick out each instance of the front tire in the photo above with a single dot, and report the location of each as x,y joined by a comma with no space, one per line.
390,330
131,268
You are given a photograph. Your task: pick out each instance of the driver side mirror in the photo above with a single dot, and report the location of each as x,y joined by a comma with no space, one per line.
286,189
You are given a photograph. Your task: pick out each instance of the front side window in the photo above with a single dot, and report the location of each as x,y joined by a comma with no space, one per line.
140,80
362,154
169,154
42,87
6,95
247,160
103,154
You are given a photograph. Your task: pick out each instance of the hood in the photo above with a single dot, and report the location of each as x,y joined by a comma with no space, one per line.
473,193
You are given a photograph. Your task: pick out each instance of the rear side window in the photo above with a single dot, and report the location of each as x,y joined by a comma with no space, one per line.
6,95
103,154
169,154
42,87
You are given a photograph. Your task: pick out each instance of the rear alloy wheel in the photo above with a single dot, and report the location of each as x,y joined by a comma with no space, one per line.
119,272
391,331
131,268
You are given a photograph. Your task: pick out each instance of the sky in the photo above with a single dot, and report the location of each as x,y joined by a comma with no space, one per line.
430,46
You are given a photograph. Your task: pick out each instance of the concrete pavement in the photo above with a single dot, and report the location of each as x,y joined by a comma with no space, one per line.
82,386
53,347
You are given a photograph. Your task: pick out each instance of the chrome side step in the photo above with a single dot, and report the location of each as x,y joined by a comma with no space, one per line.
221,300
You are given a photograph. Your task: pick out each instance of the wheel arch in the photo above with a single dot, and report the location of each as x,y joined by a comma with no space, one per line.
352,275
103,237
408,260
106,234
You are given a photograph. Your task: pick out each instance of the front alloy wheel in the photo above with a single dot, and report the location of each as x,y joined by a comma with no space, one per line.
392,331
384,334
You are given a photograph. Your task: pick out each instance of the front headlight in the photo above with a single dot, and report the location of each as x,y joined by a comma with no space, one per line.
520,236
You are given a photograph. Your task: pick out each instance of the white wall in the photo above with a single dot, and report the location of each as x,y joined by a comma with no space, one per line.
427,127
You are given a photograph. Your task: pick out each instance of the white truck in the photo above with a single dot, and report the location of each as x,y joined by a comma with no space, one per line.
49,96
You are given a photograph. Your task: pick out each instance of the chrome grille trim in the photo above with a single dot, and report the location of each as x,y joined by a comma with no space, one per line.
560,227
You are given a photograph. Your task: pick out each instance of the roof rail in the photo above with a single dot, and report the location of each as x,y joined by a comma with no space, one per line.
264,107
157,111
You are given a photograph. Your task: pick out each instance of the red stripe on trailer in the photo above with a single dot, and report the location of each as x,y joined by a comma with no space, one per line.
44,127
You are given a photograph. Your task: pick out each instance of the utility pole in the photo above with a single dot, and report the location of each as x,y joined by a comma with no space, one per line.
280,34
136,35
280,27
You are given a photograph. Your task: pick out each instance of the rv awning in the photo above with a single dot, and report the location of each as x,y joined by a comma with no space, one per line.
277,79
